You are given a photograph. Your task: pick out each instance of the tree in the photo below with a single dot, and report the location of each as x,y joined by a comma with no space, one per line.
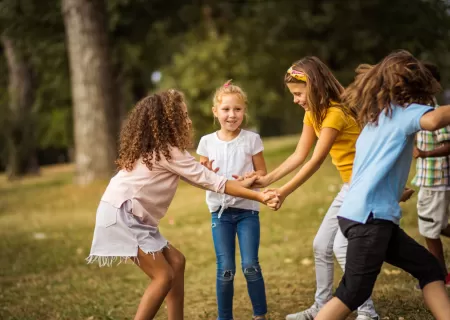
20,124
93,89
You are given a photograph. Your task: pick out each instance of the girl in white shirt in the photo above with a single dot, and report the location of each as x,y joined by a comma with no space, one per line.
236,153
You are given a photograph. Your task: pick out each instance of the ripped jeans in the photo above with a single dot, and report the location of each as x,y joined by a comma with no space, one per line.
244,223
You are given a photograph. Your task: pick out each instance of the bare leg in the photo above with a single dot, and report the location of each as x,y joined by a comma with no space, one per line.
437,300
160,271
334,309
436,249
175,298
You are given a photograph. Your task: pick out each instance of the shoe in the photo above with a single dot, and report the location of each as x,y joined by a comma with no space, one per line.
366,316
308,314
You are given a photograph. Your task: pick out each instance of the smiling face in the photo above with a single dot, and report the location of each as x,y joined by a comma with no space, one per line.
298,90
230,112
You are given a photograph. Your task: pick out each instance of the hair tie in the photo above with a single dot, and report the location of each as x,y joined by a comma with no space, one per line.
227,84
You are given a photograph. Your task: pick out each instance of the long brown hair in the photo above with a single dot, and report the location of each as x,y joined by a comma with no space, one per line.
155,124
322,87
398,79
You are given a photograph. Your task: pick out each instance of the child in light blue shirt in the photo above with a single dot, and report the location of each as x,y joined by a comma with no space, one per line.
392,98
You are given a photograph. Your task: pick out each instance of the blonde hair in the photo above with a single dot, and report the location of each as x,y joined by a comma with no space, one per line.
229,88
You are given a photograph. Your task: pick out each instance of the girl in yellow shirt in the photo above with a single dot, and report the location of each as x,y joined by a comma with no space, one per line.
335,129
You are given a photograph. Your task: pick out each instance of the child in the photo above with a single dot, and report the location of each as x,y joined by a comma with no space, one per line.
316,90
234,151
393,98
433,178
152,159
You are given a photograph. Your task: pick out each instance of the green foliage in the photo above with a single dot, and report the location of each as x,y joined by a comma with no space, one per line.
199,45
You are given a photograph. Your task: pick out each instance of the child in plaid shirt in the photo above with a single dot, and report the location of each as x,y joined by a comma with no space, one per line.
433,177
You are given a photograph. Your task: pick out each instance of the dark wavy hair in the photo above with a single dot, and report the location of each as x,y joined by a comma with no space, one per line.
157,123
399,79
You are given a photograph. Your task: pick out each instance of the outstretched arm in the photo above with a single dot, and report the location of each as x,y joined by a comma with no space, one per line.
441,151
321,151
296,159
436,119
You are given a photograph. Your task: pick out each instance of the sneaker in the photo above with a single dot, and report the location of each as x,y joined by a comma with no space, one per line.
308,314
366,316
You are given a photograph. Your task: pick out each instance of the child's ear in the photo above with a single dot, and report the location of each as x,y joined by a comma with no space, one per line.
214,111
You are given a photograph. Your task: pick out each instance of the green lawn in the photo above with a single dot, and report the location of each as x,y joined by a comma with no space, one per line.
46,228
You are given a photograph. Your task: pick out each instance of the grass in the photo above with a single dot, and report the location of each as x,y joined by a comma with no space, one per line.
46,225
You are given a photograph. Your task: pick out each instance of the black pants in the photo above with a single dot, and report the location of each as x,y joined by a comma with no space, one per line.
371,244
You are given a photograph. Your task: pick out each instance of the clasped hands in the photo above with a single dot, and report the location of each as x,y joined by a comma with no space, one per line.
271,197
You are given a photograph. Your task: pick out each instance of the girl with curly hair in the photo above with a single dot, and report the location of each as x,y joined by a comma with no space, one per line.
152,159
393,98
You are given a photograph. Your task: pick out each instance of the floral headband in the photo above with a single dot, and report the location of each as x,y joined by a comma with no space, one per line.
299,75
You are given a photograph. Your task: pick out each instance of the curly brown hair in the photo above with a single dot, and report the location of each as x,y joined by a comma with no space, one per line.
321,85
157,123
398,79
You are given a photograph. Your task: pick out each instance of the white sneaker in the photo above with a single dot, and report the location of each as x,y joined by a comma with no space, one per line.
366,316
308,314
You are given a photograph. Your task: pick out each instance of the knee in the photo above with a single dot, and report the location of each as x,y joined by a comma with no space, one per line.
252,271
322,248
353,294
178,263
165,277
226,275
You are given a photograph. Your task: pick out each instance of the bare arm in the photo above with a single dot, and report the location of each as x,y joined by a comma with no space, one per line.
441,151
259,164
304,145
436,119
322,149
234,188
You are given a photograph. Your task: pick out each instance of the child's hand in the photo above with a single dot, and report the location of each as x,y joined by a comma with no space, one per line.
417,153
272,202
208,165
245,176
407,193
247,182
261,182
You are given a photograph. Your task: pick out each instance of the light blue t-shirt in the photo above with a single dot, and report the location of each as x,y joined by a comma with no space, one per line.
382,163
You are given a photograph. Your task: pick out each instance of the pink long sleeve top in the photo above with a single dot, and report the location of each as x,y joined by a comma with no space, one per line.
152,191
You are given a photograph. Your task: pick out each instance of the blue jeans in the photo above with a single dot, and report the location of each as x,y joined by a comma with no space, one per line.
244,223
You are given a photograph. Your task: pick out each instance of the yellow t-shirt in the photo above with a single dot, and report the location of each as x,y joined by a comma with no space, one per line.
343,150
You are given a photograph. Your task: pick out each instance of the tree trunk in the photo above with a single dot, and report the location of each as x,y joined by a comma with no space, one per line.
93,89
20,127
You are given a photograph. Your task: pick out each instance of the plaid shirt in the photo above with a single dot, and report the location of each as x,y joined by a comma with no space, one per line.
431,172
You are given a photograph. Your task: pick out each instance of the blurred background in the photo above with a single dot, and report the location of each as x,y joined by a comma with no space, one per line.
70,70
